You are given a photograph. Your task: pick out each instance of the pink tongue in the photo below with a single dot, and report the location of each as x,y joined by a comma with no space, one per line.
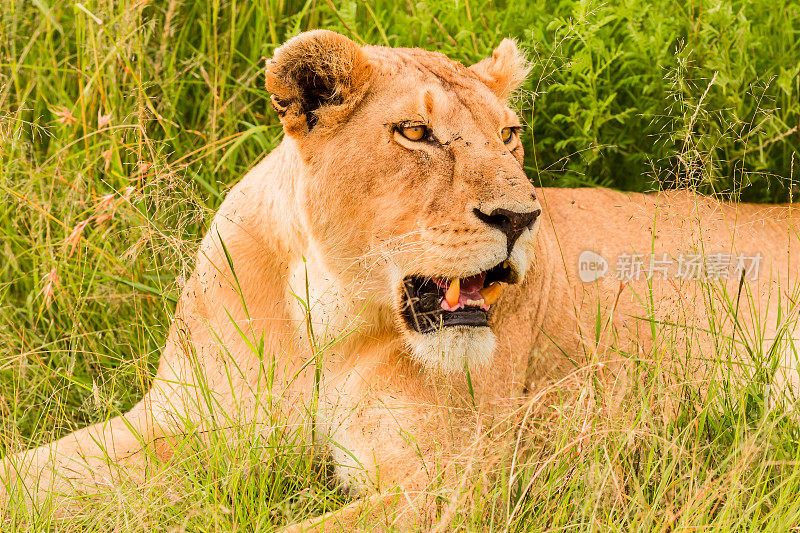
470,290
473,283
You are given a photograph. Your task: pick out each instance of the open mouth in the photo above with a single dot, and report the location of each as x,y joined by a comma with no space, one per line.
429,304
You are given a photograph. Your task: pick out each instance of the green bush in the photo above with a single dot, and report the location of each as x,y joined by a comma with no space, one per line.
641,95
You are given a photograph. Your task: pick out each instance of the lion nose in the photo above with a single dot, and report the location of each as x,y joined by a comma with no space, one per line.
511,223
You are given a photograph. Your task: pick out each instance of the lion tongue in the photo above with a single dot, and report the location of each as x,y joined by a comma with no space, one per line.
473,284
468,294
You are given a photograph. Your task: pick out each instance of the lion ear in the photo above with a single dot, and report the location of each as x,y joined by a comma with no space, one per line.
316,77
505,71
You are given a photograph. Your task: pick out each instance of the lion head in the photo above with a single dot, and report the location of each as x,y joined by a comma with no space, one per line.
413,185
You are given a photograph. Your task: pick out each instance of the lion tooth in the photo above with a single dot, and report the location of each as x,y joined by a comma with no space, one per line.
476,303
453,292
491,293
505,264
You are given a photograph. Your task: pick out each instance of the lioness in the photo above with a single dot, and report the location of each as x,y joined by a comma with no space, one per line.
389,278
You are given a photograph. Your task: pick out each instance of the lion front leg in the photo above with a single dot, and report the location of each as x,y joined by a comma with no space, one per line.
390,512
396,438
89,460
377,457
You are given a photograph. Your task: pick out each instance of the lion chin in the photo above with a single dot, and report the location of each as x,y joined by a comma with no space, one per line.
446,320
454,348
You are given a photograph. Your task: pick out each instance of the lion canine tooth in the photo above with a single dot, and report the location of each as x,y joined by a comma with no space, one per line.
505,264
453,292
491,293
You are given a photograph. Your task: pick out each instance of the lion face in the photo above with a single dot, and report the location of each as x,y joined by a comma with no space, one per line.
414,190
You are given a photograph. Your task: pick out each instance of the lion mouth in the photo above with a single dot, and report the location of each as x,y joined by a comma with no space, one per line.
431,303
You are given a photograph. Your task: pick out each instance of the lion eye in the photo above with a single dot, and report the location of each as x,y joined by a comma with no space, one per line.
413,133
506,134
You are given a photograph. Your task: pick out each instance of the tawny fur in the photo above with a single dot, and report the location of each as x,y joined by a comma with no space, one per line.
347,208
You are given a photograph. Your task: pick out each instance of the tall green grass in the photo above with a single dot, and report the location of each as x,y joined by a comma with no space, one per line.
123,123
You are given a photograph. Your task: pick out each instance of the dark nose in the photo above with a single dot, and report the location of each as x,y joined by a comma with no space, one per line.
511,223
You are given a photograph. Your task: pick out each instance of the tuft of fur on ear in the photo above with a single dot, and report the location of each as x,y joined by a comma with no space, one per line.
317,76
505,71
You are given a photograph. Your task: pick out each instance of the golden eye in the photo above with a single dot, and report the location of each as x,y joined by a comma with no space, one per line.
506,134
413,133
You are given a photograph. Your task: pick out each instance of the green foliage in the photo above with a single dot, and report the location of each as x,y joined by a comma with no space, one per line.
643,95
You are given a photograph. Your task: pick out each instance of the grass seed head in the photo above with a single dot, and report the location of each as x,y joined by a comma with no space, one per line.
107,159
49,289
75,237
64,116
103,120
